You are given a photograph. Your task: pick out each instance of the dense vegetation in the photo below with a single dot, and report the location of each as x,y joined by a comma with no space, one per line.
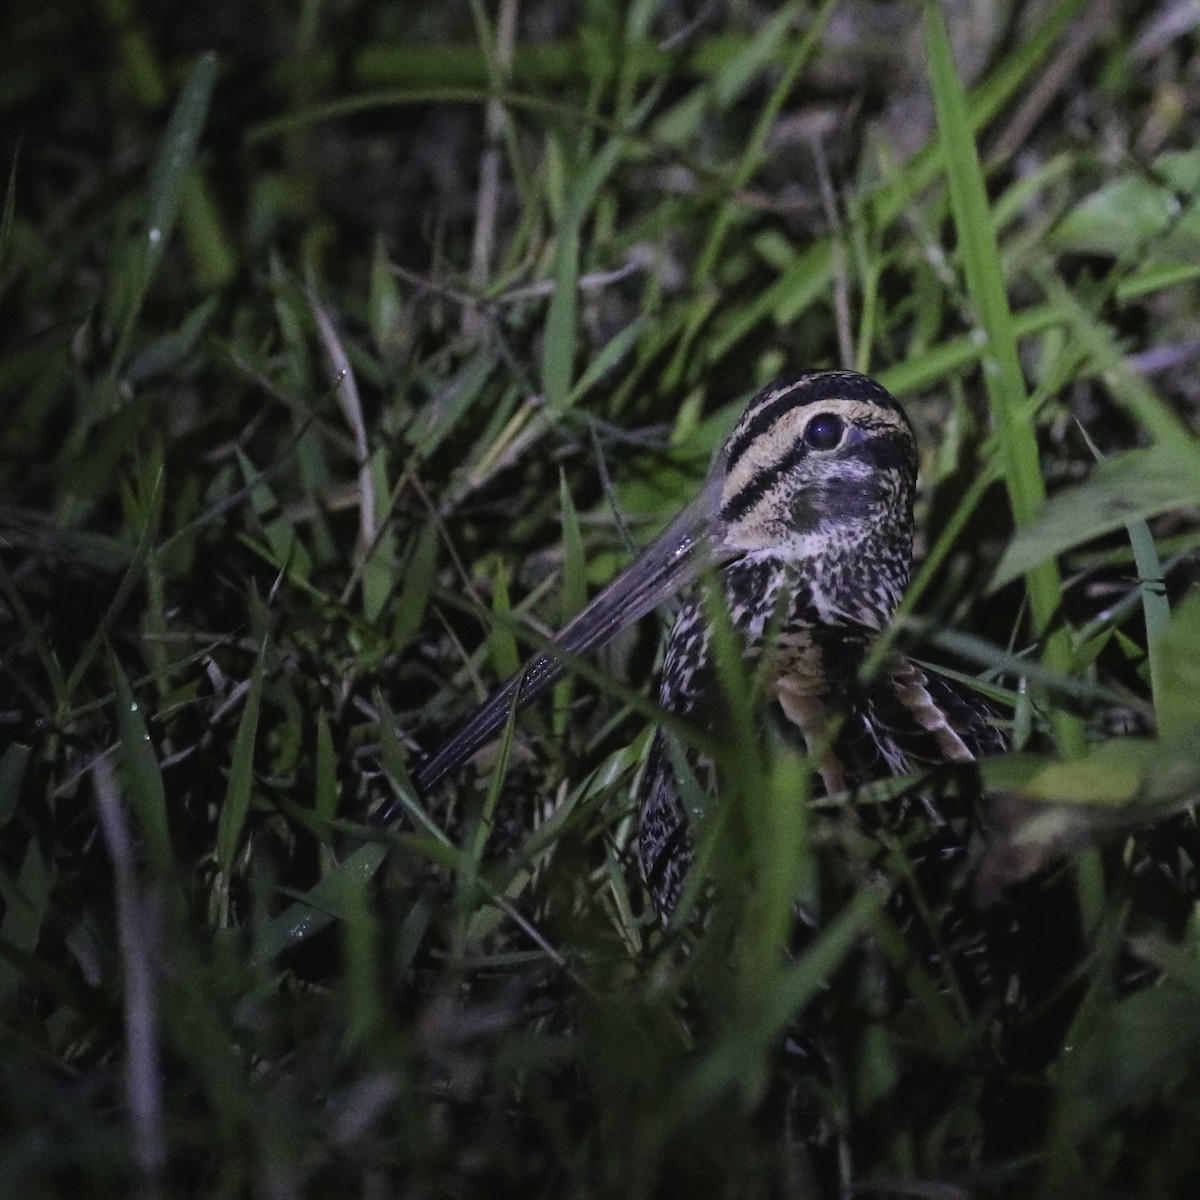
342,354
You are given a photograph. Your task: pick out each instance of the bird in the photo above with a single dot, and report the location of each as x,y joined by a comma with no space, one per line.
806,521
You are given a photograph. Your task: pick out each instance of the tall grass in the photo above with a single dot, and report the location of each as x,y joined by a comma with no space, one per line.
311,436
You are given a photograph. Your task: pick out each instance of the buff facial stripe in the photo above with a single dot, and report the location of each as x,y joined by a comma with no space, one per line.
774,405
765,478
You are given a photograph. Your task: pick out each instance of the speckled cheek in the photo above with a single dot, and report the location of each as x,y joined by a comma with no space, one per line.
854,498
807,510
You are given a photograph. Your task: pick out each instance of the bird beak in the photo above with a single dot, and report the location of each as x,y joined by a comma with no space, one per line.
693,541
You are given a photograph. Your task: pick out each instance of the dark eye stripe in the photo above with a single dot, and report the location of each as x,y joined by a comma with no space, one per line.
761,483
886,451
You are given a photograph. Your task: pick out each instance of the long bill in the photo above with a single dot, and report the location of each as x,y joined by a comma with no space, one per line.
692,541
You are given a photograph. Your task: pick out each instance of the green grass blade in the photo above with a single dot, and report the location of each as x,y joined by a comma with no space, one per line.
418,576
6,215
558,348
1128,387
1001,366
325,796
1156,608
502,645
168,179
330,900
1136,484
141,777
986,288
150,517
176,155
24,915
235,810
755,150
13,763
1179,678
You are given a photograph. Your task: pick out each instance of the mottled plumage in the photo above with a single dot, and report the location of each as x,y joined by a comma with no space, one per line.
807,516
827,536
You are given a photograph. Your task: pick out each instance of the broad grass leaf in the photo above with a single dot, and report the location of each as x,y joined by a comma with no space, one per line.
440,415
418,576
325,903
1143,1048
560,341
502,645
1110,774
141,776
168,182
6,214
286,548
1179,701
1135,485
164,354
739,66
25,910
380,572
558,345
385,309
241,777
325,791
1155,211
12,774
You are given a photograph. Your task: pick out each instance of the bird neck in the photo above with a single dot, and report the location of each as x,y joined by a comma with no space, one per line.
841,575
842,583
854,576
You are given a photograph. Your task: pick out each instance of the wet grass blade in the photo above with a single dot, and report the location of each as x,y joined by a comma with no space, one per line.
168,179
327,902
142,777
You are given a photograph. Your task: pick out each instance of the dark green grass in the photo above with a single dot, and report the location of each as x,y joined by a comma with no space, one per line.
299,461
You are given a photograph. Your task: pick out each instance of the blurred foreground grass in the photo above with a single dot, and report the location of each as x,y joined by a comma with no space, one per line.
341,357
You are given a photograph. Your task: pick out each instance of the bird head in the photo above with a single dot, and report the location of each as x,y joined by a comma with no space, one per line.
820,473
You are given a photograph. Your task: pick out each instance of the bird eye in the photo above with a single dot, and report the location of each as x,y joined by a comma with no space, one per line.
824,431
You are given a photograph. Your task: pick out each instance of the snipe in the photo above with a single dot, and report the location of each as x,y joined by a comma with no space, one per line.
807,517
